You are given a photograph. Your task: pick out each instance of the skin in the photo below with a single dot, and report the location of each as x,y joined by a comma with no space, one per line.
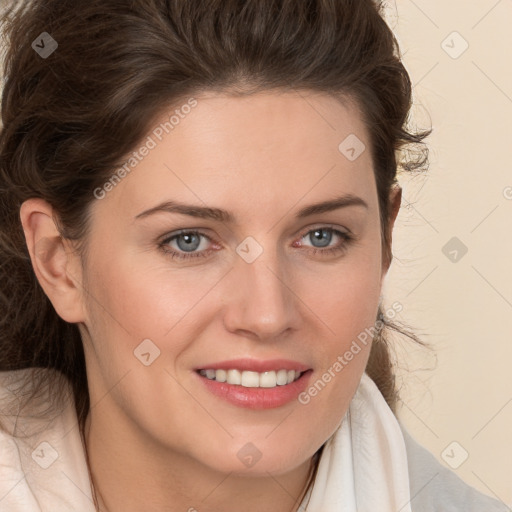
155,435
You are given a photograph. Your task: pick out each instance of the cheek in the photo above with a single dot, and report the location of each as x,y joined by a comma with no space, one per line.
124,309
350,294
348,309
131,302
144,302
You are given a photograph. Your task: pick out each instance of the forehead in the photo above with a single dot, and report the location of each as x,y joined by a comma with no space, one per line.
270,146
291,124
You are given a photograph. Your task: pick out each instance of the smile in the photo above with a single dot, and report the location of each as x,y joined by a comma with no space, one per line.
249,379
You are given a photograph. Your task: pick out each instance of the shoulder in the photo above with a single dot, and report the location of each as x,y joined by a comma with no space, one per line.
42,462
435,488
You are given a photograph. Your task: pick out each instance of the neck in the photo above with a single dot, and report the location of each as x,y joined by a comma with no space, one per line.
145,478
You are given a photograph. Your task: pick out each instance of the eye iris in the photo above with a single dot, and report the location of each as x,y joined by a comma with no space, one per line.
192,241
322,238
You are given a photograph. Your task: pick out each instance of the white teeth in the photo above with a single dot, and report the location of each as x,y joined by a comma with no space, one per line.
282,377
268,380
250,379
220,375
233,377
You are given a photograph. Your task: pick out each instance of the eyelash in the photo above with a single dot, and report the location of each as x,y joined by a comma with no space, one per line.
347,238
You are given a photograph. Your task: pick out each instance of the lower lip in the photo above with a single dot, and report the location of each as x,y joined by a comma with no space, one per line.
257,398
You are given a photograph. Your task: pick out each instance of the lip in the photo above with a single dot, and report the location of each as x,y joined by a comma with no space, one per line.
255,365
256,398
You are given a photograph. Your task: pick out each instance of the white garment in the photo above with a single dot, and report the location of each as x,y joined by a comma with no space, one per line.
365,465
26,485
370,464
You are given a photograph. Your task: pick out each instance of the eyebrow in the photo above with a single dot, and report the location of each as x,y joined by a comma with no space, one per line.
221,215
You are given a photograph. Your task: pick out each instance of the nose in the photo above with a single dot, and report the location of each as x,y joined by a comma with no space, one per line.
262,303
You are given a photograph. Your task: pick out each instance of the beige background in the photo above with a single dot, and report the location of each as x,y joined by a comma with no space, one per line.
463,308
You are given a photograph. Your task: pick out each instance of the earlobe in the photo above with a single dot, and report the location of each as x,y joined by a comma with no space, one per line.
395,200
55,267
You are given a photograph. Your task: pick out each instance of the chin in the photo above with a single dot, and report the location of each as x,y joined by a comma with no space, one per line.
251,459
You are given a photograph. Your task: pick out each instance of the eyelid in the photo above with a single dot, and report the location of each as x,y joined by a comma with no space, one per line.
301,234
346,236
334,227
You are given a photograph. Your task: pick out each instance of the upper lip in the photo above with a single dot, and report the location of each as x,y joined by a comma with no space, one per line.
255,365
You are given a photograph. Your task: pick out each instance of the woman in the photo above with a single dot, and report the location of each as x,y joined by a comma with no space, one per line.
197,208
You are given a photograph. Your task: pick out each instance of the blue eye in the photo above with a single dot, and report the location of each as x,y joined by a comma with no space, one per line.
324,236
188,243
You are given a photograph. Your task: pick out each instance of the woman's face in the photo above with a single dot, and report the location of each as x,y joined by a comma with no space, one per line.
264,278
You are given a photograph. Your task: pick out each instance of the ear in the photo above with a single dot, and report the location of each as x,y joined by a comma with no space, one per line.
395,200
56,266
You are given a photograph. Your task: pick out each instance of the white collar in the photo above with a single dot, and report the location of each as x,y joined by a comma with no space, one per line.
364,466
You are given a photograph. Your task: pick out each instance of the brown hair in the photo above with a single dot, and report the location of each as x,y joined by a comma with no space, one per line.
69,119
